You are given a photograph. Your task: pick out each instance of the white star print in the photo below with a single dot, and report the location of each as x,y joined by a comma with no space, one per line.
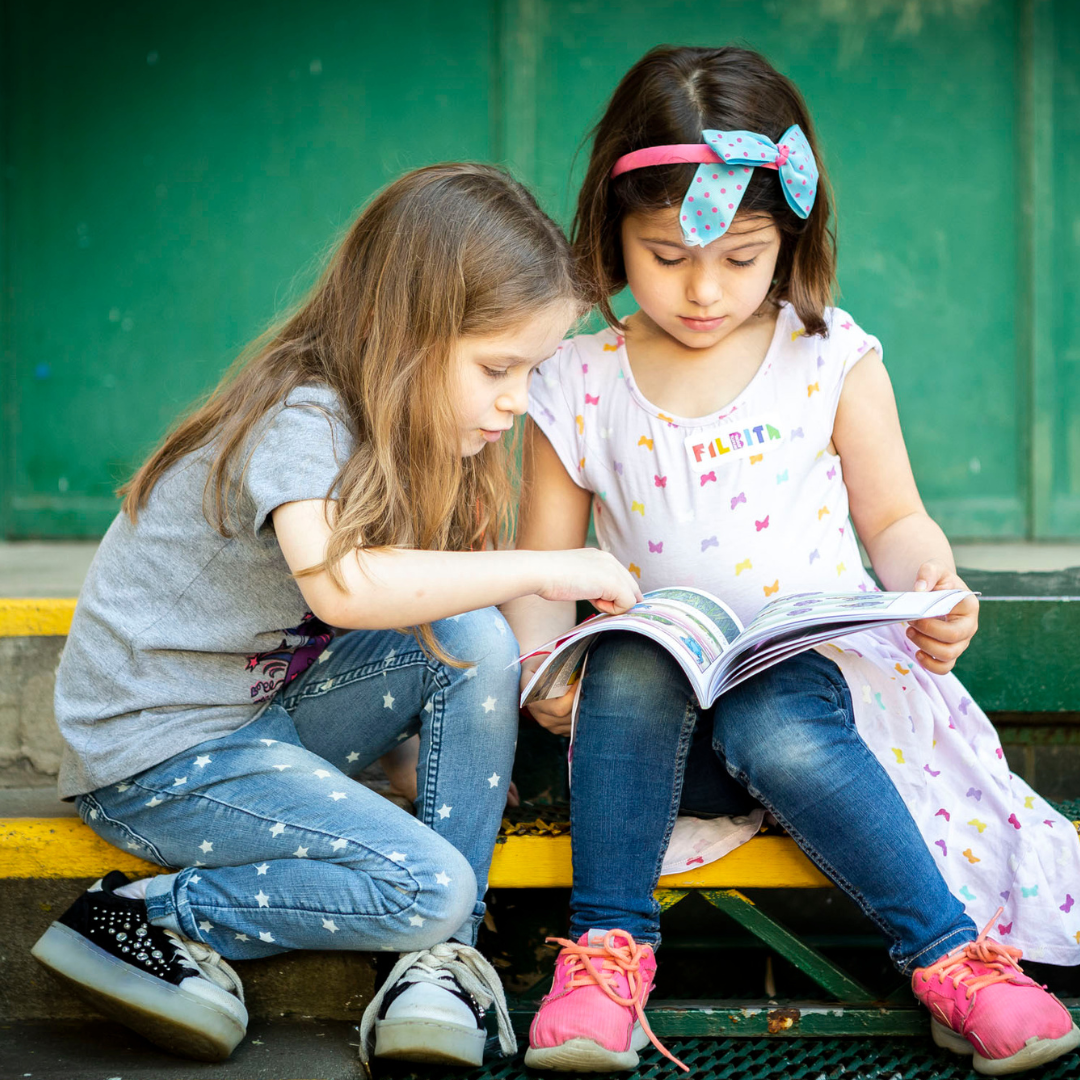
324,656
206,846
429,707
203,760
389,658
268,742
265,935
470,673
264,900
322,774
277,830
489,705
500,624
155,801
206,925
194,879
260,870
398,856
241,937
338,795
94,813
328,924
444,811
199,862
388,700
179,780
282,768
352,757
133,845
300,852
493,780
337,845
442,878
416,920
122,787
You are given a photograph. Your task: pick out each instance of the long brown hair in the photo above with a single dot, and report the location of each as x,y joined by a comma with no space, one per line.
444,252
670,96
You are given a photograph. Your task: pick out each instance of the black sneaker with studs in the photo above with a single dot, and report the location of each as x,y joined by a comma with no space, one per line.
177,993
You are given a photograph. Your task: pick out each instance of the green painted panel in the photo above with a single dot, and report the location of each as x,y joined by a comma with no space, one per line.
926,255
174,174
171,176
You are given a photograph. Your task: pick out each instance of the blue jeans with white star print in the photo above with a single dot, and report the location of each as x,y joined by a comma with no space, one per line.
280,848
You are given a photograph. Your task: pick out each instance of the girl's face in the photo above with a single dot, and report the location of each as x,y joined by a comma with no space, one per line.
493,373
698,295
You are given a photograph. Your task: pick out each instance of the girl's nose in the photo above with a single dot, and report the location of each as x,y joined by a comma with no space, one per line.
703,287
514,399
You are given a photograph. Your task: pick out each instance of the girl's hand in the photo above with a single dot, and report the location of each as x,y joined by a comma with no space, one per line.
552,713
941,641
589,574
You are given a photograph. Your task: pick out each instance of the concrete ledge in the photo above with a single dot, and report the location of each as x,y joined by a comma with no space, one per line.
50,848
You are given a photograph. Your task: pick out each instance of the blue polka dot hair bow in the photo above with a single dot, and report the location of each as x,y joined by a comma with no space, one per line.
728,159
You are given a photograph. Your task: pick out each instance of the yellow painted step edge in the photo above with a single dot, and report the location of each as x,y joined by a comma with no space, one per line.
66,848
35,618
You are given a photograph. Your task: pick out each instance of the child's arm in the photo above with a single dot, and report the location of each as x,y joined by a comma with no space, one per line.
554,514
406,587
907,548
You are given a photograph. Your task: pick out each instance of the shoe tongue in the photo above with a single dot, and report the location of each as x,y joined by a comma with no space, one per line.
595,939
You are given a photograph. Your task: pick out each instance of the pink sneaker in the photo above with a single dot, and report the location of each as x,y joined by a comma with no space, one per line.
594,1018
981,1003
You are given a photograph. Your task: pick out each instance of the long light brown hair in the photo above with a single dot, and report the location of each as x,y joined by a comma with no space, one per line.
671,95
445,252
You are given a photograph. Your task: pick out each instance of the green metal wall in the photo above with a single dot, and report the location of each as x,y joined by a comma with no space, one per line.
172,173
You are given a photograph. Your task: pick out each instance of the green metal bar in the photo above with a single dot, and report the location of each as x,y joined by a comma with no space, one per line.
809,961
785,1019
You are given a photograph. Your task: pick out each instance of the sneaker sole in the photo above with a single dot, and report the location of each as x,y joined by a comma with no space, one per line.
429,1041
586,1055
165,1014
1036,1052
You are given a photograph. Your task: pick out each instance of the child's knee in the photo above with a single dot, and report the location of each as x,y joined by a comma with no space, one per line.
484,640
632,676
444,902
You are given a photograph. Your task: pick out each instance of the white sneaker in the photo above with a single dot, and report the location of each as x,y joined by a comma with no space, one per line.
432,1007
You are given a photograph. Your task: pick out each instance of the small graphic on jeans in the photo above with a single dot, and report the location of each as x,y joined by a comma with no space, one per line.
299,649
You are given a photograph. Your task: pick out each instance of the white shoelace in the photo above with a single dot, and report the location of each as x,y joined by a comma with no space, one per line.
207,962
470,970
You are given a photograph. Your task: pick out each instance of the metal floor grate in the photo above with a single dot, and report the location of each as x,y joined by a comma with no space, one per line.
771,1059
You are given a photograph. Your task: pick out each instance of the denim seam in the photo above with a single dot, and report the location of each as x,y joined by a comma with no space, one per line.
299,828
937,949
435,725
686,735
125,828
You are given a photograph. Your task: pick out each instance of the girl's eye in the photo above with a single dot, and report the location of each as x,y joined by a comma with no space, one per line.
748,262
495,373
666,262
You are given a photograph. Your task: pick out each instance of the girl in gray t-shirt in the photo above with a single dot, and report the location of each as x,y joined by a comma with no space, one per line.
349,476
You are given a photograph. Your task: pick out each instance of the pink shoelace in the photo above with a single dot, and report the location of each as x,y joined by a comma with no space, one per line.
614,958
956,966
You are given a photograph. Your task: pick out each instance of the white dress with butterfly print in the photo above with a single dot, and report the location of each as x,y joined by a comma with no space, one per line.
749,503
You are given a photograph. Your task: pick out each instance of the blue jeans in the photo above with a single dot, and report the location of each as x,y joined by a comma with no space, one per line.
282,849
785,739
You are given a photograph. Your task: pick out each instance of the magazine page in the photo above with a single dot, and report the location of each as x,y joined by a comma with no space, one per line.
692,625
794,623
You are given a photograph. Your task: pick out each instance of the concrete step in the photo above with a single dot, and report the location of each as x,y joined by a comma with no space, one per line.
93,1049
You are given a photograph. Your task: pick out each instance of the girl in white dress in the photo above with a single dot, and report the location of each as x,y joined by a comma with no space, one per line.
734,434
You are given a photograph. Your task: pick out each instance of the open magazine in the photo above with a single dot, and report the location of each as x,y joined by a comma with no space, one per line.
714,648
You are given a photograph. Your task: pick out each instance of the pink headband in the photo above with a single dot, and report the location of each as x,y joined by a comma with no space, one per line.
724,162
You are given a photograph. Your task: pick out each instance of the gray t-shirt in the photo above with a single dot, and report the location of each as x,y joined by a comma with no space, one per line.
181,634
